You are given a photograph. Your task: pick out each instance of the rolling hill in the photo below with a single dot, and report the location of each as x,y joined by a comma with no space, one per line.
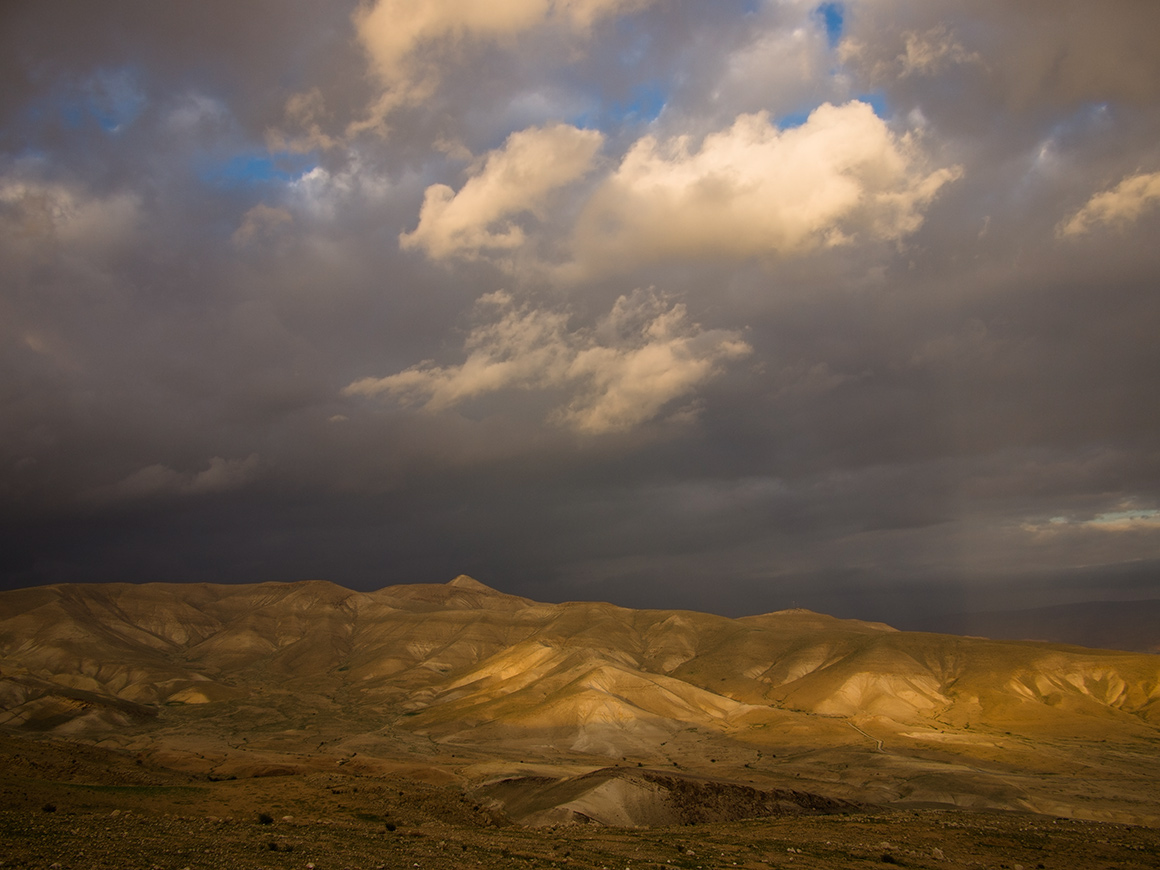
461,683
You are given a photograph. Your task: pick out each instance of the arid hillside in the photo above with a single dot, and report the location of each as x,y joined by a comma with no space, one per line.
459,683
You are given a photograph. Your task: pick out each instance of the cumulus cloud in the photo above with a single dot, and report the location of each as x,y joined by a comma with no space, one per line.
754,190
1124,204
393,31
780,67
154,481
643,355
409,42
517,178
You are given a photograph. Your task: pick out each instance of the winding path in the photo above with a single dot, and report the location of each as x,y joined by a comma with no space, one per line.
864,734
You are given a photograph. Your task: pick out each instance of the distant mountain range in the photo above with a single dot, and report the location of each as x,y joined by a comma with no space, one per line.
459,680
1126,625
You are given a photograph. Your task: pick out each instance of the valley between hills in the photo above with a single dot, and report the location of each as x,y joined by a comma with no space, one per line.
452,725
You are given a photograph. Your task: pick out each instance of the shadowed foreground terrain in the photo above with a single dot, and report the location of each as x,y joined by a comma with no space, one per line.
69,806
278,725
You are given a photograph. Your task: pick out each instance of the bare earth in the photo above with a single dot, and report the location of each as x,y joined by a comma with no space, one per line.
154,818
285,725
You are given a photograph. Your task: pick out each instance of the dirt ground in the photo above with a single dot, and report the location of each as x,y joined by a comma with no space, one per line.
83,808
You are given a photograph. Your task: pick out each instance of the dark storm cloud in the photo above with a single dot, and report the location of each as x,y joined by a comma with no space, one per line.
640,323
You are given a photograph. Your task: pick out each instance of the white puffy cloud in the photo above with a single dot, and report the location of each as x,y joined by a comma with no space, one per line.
657,356
783,67
754,190
514,179
643,355
1122,205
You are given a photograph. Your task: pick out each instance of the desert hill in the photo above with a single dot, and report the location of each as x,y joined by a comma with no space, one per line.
460,683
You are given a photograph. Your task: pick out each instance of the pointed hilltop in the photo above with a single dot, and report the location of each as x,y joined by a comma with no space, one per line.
465,582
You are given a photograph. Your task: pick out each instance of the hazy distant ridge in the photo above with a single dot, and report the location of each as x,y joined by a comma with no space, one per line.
1126,625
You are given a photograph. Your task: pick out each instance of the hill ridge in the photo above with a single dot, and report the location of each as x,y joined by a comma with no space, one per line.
295,675
463,581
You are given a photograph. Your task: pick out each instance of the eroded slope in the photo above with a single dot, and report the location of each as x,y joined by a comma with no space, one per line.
461,681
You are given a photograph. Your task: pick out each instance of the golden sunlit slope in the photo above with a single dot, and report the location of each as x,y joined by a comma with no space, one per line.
281,677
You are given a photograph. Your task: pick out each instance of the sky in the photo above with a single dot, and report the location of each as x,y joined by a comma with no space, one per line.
732,306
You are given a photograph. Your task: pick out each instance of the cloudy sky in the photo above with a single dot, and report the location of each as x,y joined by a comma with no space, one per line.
733,305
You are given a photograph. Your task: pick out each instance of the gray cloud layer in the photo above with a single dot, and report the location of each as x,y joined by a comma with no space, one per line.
731,306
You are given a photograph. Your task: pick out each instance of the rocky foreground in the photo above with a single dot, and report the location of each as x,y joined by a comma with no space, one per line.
57,811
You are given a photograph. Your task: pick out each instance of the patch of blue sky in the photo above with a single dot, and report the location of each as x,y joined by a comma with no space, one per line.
793,119
114,117
115,99
877,102
833,16
1087,118
73,114
255,168
111,99
643,104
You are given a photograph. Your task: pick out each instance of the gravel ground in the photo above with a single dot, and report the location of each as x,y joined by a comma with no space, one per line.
325,822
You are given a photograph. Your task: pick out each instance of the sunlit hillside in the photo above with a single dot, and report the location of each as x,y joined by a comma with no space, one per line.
465,682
